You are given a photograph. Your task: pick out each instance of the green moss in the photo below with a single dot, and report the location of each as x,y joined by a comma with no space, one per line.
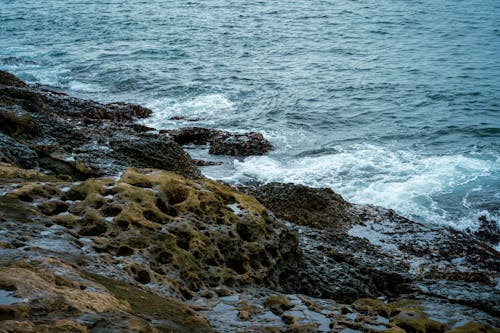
278,303
144,303
473,327
10,173
417,322
67,220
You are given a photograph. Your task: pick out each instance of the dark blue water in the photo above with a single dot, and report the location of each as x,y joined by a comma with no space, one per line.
389,102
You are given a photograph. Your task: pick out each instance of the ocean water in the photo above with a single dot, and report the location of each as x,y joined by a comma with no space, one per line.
388,102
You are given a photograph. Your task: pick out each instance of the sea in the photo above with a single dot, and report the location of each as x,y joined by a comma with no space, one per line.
394,103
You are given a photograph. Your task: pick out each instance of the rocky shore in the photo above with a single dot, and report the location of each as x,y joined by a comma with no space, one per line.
107,225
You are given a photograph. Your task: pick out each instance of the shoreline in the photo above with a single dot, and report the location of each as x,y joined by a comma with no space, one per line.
286,256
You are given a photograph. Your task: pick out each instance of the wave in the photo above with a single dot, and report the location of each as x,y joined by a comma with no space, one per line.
208,108
432,189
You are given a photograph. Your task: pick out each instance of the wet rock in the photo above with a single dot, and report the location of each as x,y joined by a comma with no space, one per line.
15,153
53,207
103,305
8,79
488,230
176,118
474,327
90,138
246,144
313,207
206,163
184,229
278,304
222,142
150,152
15,122
416,322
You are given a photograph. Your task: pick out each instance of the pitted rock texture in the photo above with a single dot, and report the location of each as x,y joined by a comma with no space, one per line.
191,235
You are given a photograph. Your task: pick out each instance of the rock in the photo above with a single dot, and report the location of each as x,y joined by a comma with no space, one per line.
416,322
472,327
313,207
8,79
16,153
206,163
106,304
16,122
222,142
278,304
78,139
246,144
488,231
176,118
150,152
184,229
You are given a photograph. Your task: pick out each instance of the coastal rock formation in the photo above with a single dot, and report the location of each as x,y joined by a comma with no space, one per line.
313,207
222,142
382,252
77,138
108,227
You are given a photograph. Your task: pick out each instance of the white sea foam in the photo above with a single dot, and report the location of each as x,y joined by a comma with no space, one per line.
367,174
83,87
208,108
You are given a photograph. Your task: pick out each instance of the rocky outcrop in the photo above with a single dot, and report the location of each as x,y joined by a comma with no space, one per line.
312,207
187,237
76,138
352,251
222,142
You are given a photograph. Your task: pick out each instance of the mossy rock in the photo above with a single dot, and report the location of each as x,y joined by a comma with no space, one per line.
278,304
153,306
9,172
188,231
473,327
414,321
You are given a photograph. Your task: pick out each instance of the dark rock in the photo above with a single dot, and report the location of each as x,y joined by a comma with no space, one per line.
176,118
8,79
150,152
53,207
133,110
206,163
246,144
15,153
78,139
194,135
488,231
222,142
16,122
313,207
